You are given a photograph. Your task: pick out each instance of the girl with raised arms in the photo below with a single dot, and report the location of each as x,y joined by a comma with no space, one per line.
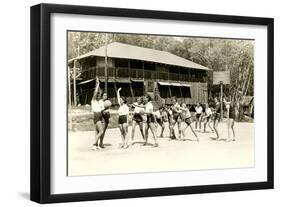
123,113
97,111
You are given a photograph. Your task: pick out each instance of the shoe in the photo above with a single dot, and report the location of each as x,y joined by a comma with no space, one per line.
125,146
94,147
156,145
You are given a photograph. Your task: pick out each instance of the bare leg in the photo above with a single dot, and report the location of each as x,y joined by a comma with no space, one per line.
162,129
171,128
205,124
215,125
183,131
232,127
153,130
193,132
133,130
196,123
126,137
200,120
209,125
146,133
122,135
102,137
99,132
179,128
141,129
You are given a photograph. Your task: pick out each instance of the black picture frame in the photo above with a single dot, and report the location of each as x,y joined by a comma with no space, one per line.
40,102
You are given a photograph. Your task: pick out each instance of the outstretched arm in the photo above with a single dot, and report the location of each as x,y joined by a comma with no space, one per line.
134,105
118,95
96,90
184,109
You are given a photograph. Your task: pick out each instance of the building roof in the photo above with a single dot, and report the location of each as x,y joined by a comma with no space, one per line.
126,51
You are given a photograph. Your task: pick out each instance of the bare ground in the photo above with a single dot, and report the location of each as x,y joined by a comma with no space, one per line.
169,156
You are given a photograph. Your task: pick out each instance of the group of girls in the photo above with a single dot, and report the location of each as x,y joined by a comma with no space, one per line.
146,118
143,117
180,116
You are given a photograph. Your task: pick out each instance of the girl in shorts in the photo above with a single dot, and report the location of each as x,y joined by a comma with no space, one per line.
171,120
217,117
161,118
105,115
176,118
137,117
97,110
150,120
186,116
207,117
123,113
199,111
231,117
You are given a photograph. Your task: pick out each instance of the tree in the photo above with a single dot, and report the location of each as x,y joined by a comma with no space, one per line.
217,54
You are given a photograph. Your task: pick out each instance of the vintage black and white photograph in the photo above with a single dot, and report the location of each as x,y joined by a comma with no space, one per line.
142,103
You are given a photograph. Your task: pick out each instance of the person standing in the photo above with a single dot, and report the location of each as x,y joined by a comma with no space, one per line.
176,118
217,117
207,117
106,116
198,110
97,109
186,116
123,112
231,118
150,121
161,118
137,117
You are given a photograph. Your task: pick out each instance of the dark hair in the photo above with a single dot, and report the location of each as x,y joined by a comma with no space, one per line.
103,94
148,97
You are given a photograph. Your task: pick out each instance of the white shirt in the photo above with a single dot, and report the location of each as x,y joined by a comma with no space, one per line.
101,103
186,113
198,109
176,107
138,109
149,107
123,110
208,111
96,107
157,114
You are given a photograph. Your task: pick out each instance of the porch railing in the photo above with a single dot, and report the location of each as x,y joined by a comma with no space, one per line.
132,73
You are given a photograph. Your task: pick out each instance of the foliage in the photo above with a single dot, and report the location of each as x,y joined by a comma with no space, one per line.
215,53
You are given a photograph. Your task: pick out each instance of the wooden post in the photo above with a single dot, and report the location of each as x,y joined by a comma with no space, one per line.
69,99
144,83
221,95
228,122
170,92
74,83
105,66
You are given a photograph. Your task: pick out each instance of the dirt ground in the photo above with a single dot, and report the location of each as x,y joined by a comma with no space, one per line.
169,156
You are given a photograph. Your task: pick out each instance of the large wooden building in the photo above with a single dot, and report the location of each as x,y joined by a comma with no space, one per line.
140,70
